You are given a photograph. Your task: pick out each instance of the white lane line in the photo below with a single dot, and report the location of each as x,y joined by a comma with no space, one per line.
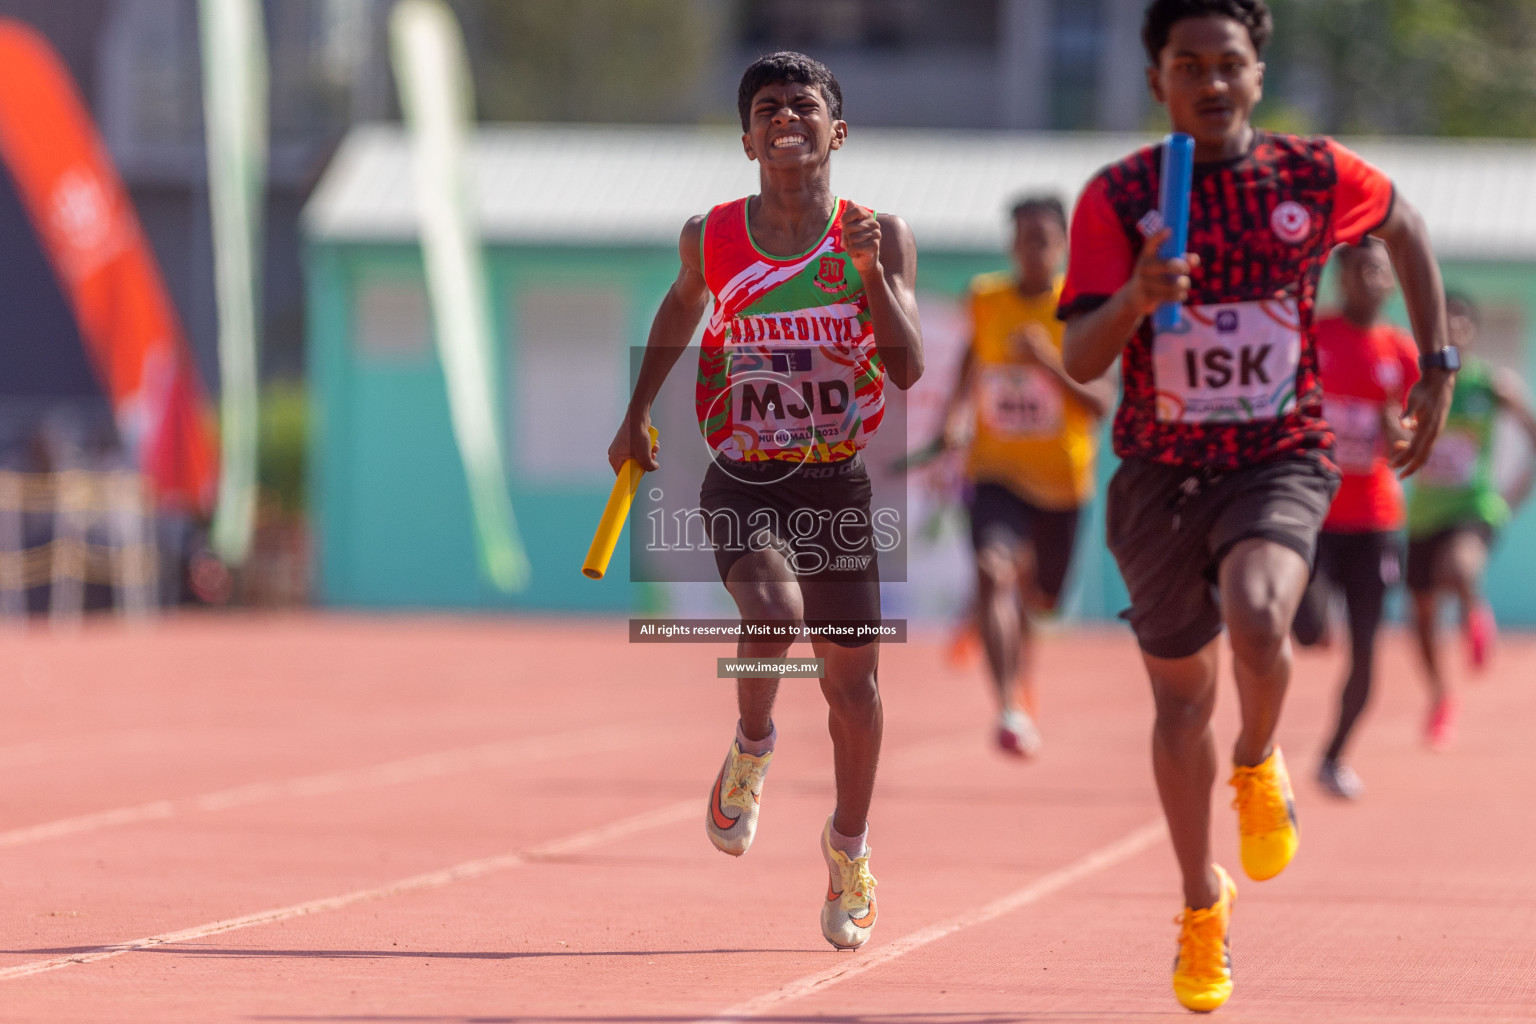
661,816
410,769
667,815
1104,857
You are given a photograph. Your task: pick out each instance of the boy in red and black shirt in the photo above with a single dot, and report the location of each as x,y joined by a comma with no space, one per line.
1226,470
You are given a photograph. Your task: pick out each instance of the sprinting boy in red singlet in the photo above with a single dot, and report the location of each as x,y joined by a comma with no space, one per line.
1226,472
814,310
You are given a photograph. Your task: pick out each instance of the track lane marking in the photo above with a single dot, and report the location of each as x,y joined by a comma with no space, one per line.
388,773
665,815
1107,856
919,753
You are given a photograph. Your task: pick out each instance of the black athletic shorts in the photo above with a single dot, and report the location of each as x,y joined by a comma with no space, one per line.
1424,552
1169,527
818,517
1000,516
1362,566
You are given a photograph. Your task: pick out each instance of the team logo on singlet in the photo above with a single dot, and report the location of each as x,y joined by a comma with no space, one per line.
829,275
1291,222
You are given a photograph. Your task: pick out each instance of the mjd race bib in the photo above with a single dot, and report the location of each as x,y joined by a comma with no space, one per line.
792,398
1020,401
1231,363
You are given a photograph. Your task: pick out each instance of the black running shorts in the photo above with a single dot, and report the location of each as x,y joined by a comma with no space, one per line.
999,516
1362,566
818,517
1169,527
1424,551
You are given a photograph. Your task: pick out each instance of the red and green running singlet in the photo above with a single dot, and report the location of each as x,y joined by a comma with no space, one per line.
788,368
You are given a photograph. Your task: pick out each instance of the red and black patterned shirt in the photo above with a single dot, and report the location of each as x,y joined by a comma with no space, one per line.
1237,383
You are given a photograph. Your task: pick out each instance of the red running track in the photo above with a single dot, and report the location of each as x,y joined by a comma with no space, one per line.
437,821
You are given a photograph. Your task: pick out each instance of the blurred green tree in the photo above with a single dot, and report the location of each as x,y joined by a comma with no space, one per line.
590,60
1423,67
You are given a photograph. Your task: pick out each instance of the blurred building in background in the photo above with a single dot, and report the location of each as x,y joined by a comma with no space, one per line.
1456,67
581,225
976,74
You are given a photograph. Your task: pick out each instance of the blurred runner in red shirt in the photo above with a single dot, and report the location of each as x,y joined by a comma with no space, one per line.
1367,368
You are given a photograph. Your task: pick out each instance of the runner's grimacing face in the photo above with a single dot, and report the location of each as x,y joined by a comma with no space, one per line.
1039,247
1210,77
789,126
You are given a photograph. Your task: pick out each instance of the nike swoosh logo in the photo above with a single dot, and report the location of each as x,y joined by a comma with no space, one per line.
862,922
721,820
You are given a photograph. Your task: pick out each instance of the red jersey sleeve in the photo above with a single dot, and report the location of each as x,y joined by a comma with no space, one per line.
1362,196
1100,258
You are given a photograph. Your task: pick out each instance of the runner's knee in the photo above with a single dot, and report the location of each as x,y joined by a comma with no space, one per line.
1260,592
854,694
768,601
1258,628
1180,711
995,568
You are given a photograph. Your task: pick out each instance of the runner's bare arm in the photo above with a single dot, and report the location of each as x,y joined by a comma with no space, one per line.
886,257
1097,396
1095,339
671,330
1512,399
1429,400
951,427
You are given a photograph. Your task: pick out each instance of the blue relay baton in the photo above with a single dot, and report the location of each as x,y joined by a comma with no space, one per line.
1178,175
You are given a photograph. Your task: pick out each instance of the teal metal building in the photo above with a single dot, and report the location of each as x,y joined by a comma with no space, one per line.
581,227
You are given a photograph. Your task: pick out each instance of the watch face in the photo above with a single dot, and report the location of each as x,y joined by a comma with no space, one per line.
1445,359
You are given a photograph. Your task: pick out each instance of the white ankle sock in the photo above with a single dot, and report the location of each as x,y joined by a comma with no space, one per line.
853,846
757,748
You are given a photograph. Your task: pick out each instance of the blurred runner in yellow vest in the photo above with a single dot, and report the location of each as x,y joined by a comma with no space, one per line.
1032,433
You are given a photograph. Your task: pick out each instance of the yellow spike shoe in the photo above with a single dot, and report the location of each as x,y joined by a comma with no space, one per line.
1202,972
1266,817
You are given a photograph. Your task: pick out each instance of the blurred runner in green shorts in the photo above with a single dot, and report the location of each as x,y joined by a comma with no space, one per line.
1454,513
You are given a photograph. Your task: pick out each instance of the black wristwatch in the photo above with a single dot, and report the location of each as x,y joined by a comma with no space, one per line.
1445,359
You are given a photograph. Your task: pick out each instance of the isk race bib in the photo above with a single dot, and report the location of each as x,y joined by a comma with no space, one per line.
793,396
1356,425
1020,401
1452,461
1229,363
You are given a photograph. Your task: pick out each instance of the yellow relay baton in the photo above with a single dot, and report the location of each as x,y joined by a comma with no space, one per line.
612,524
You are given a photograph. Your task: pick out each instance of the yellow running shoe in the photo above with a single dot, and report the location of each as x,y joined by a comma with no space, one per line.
1202,972
1266,817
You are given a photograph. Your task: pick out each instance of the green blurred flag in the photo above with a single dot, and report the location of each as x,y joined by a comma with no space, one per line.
436,98
235,119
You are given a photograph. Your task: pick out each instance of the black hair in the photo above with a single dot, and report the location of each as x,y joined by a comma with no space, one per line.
1049,205
1162,15
787,66
1464,302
